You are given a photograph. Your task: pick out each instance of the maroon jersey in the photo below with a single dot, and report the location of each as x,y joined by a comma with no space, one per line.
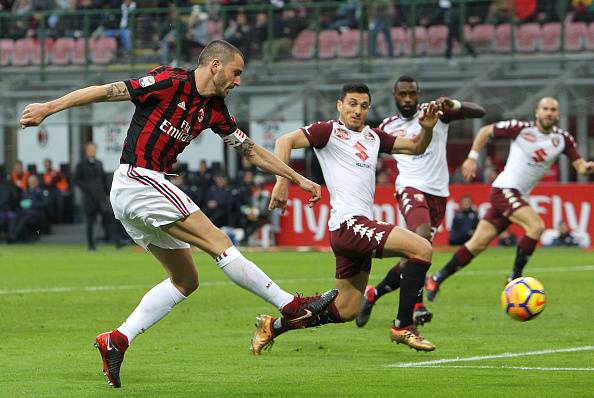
169,114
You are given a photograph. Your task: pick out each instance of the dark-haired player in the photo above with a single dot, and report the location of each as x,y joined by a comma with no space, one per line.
347,150
173,106
422,182
535,146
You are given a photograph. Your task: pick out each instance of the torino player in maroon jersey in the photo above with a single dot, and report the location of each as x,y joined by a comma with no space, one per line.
173,106
534,148
347,150
422,183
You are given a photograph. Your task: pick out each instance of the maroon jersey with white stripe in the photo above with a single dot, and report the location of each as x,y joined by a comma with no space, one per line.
531,154
169,114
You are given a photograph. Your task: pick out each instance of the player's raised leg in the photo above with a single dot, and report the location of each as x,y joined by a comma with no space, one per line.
418,251
484,234
199,231
156,303
531,222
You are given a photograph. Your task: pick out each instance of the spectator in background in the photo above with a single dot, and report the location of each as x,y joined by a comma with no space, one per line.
489,170
582,11
451,17
198,34
465,221
90,178
51,179
499,12
254,208
19,175
218,201
346,16
10,197
260,35
32,218
168,36
565,237
127,7
381,22
286,28
239,33
202,180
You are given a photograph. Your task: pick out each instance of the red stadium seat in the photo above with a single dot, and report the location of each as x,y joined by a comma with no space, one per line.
527,36
590,37
576,34
304,45
436,39
6,50
62,51
503,38
350,43
329,42
422,39
550,37
400,40
482,37
23,51
78,53
36,55
103,50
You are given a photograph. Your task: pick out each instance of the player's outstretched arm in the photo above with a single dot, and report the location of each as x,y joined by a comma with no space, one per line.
583,167
282,149
419,143
467,110
469,166
34,114
267,161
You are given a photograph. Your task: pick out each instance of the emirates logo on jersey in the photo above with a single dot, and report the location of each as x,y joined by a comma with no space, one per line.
539,155
361,151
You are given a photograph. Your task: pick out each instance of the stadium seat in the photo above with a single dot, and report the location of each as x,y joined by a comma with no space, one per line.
436,39
400,40
350,43
329,43
78,53
482,37
550,37
23,51
6,50
527,36
421,40
62,51
103,50
590,37
576,34
503,38
36,56
304,45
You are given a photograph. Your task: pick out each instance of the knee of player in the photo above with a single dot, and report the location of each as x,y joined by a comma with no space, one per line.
425,251
539,228
187,286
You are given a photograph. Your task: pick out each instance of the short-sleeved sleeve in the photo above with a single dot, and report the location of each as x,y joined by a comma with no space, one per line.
318,133
154,86
386,141
570,149
221,121
509,128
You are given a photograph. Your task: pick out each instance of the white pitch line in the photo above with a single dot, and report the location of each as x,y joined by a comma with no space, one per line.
506,367
483,357
279,281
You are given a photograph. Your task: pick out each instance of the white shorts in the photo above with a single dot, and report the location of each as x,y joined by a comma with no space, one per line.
143,200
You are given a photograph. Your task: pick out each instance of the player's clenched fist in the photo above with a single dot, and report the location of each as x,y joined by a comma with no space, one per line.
430,114
33,115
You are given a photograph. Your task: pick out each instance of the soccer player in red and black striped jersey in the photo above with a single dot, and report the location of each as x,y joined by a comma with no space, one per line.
174,106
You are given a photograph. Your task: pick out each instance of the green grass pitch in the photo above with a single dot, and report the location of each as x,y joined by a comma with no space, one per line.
55,299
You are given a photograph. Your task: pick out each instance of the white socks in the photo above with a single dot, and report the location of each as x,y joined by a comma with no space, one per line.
155,304
247,275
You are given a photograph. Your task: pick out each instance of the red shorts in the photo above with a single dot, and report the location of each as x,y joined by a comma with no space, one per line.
420,208
354,244
504,201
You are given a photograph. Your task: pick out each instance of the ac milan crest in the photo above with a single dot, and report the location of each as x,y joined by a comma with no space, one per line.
200,115
42,137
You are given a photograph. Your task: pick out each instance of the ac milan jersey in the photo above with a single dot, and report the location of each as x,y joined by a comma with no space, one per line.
531,153
427,172
348,159
169,114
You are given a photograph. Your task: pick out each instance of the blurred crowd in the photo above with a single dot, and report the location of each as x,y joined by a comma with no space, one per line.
31,201
249,30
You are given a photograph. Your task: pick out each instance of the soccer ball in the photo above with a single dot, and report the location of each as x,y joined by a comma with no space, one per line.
523,298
